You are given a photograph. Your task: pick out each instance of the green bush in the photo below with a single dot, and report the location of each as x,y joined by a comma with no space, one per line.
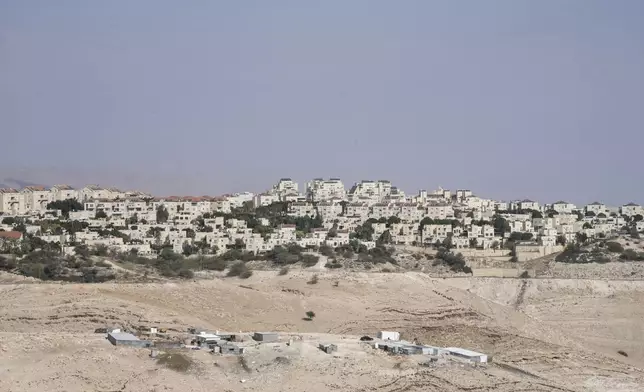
7,264
238,269
283,271
309,260
614,247
326,250
214,263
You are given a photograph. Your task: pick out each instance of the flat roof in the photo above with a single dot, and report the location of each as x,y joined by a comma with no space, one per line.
208,335
463,351
123,336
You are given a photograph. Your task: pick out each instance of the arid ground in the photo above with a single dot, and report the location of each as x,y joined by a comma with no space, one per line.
542,334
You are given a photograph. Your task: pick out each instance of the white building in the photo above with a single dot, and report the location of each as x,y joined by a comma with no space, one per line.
632,209
63,192
319,189
563,207
285,186
12,202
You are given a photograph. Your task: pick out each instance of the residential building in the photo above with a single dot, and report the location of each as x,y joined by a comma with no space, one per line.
528,204
285,186
320,190
563,207
63,192
12,202
596,208
632,209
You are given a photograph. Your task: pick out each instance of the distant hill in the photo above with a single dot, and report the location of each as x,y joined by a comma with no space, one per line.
16,183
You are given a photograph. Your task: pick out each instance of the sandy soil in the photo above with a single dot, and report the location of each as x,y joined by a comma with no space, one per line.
543,335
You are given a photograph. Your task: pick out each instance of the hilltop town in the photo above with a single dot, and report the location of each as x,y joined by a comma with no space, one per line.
326,214
461,314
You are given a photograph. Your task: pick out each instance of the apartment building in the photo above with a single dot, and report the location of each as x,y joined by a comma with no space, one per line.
36,198
563,207
11,202
632,209
320,189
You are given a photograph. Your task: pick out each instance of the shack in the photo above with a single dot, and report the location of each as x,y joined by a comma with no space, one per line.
266,337
205,338
328,348
388,335
471,356
126,339
229,348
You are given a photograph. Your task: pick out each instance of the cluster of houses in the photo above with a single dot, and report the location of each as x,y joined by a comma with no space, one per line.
238,344
421,219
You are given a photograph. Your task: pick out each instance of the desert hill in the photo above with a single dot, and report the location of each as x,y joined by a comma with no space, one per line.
543,335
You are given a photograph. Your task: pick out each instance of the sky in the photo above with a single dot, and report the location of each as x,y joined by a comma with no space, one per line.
540,99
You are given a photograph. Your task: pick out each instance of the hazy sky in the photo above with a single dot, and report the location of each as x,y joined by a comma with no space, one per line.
512,99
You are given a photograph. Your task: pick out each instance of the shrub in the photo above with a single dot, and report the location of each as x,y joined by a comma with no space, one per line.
246,274
314,280
326,250
309,260
214,263
629,254
237,269
310,315
7,264
524,275
622,352
283,271
333,265
186,273
386,270
456,262
614,247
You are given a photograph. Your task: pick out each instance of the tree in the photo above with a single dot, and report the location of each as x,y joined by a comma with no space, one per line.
133,220
100,214
587,226
501,225
473,243
188,249
393,220
495,245
561,240
536,214
581,237
638,218
82,251
310,315
601,215
590,214
162,214
385,238
65,206
190,233
9,220
634,233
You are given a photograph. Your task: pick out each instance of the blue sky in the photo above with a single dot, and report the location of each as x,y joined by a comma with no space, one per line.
513,99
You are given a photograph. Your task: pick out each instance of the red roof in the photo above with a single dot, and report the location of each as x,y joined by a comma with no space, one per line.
13,235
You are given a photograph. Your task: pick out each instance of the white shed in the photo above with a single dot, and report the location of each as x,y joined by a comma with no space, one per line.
388,335
467,354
